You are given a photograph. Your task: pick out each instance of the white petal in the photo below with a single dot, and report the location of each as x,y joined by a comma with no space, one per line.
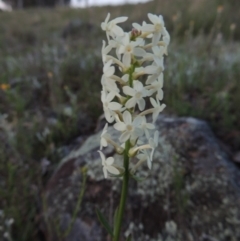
107,65
126,59
114,106
129,91
102,157
124,137
120,126
113,170
153,102
138,120
139,52
159,62
166,37
149,163
141,104
103,96
160,79
110,71
110,97
142,157
148,28
103,143
151,69
160,94
109,117
137,26
119,20
138,86
131,103
162,107
156,38
127,117
117,31
109,161
151,78
125,77
156,50
153,18
105,129
150,126
107,18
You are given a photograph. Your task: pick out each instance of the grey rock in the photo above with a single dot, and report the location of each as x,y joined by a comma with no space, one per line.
192,192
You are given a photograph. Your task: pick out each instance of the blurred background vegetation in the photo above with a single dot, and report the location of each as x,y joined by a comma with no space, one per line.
50,71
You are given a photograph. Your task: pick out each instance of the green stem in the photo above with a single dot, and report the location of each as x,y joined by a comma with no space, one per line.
131,76
123,193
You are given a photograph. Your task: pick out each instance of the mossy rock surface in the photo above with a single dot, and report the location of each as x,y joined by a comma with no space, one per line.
191,194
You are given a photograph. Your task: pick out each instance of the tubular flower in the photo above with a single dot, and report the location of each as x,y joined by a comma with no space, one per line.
137,93
111,28
108,165
138,79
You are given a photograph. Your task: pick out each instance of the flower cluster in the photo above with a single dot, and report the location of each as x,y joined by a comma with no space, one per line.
129,79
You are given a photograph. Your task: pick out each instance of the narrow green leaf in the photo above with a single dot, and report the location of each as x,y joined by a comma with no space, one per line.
115,219
129,238
104,222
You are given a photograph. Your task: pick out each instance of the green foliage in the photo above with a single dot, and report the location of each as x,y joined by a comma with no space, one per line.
104,222
179,187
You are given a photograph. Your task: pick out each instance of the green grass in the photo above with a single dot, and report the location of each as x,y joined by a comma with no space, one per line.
53,80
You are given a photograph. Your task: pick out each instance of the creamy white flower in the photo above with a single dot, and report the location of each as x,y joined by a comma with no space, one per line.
156,86
156,27
108,69
141,28
110,85
158,53
125,78
108,165
116,43
138,92
129,48
129,128
153,77
108,80
136,56
143,156
111,27
108,106
157,108
146,126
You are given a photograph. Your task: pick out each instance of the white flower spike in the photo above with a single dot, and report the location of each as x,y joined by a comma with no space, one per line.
132,77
